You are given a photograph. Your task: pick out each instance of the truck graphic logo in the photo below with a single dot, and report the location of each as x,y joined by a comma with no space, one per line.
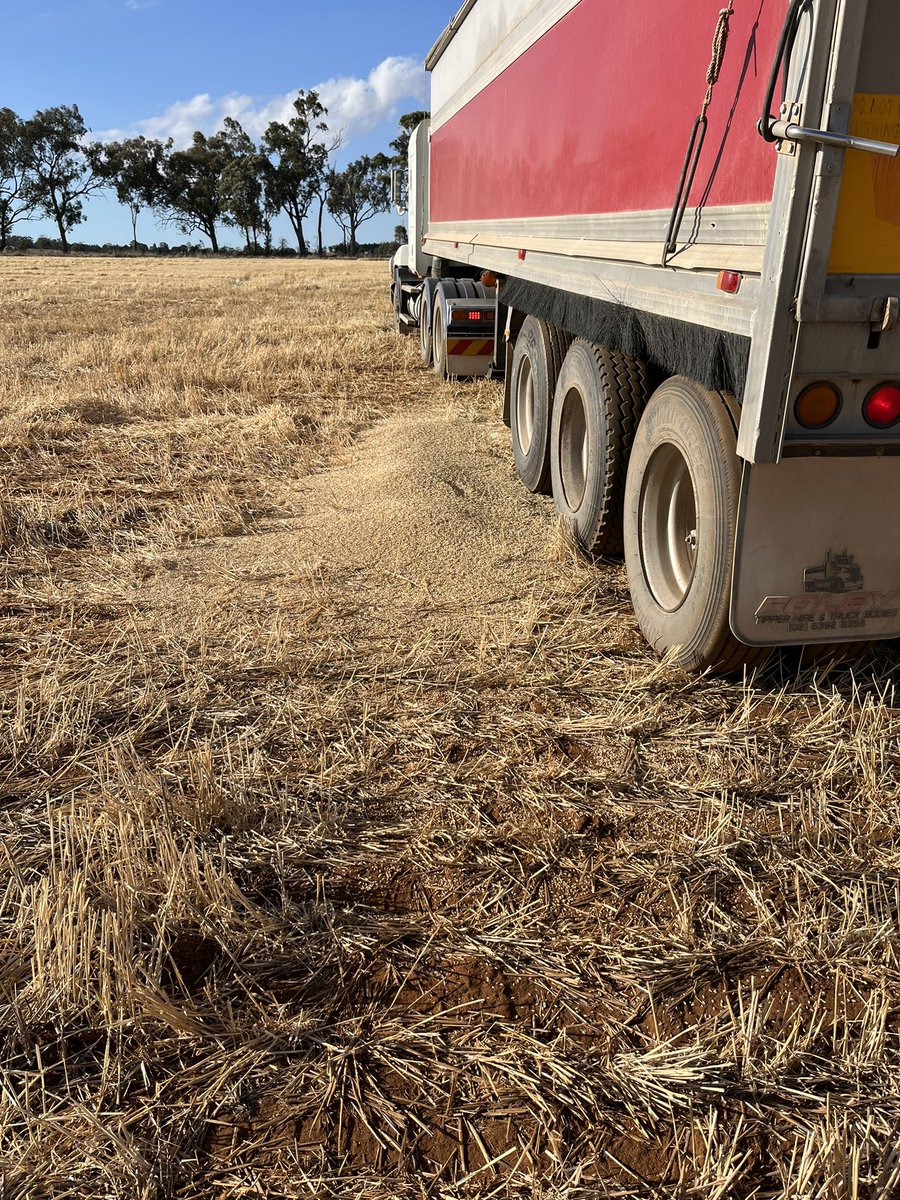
838,573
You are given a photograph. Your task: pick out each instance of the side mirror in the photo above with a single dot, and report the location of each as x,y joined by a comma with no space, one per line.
398,190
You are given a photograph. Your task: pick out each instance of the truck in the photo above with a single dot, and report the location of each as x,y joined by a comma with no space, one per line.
673,231
838,573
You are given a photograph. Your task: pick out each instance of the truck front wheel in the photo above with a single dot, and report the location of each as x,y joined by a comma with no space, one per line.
681,501
537,360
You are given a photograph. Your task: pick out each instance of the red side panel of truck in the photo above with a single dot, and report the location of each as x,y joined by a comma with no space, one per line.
595,116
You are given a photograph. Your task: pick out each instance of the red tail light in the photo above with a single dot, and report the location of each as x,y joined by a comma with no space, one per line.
882,406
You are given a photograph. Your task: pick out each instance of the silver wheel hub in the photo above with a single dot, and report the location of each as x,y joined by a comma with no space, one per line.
668,527
574,449
525,406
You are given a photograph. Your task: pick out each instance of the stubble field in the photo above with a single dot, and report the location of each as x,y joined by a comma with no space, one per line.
352,843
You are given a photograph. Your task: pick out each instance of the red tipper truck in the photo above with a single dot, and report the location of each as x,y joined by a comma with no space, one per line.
674,229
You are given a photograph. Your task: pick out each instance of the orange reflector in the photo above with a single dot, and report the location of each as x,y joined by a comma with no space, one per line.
730,282
818,405
882,407
489,279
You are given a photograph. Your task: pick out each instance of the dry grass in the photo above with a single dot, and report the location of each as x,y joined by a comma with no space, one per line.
299,900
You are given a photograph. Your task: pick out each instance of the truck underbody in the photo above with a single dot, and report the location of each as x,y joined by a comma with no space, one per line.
693,299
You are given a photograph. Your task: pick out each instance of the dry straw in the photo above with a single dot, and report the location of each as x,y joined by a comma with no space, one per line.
336,863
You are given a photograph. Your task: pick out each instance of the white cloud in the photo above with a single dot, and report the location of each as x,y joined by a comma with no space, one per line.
355,106
139,5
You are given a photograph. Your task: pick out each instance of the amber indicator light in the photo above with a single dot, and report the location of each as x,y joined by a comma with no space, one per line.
817,405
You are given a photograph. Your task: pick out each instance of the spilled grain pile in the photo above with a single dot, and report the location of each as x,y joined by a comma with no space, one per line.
353,844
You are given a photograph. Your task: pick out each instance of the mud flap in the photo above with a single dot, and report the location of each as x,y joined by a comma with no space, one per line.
817,552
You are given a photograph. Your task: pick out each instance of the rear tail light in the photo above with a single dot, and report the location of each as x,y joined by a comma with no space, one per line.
461,315
882,406
818,405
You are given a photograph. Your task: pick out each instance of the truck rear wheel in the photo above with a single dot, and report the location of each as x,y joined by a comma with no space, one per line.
439,337
681,505
537,360
599,399
425,346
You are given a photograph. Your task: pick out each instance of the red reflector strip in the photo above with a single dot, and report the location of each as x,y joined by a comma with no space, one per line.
470,347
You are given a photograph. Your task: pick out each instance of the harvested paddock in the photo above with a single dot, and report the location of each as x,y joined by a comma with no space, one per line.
353,843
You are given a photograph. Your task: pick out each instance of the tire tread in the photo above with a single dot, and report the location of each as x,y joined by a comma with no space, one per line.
626,385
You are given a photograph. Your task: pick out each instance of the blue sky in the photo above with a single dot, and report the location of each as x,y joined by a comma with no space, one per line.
166,67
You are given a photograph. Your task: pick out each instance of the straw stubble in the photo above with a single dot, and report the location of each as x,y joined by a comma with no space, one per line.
353,843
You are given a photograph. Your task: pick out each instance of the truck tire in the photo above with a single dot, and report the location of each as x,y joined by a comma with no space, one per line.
425,345
397,301
439,337
599,398
445,291
681,505
537,361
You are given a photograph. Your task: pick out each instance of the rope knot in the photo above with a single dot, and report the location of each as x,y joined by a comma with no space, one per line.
720,42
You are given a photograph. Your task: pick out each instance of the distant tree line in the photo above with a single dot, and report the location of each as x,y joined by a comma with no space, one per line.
48,167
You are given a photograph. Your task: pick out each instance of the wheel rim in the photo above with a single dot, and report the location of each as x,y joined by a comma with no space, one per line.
425,339
573,449
438,347
668,527
525,406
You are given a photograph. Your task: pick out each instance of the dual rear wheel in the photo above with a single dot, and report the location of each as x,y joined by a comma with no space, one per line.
656,478
432,308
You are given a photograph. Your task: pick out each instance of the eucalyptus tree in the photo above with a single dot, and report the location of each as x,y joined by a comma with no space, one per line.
57,172
245,199
191,196
358,193
298,150
135,169
13,203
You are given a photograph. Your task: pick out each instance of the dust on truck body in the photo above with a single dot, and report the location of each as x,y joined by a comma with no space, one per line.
686,264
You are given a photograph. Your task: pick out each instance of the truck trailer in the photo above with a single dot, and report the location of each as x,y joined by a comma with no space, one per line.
673,230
